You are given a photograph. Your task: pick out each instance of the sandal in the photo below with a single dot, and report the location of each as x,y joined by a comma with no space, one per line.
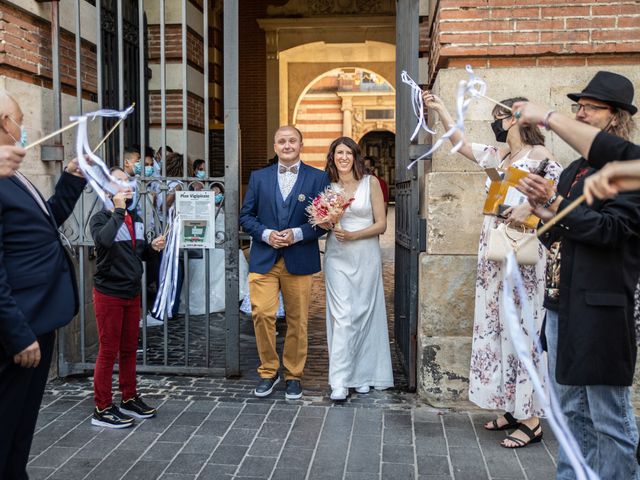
533,437
511,423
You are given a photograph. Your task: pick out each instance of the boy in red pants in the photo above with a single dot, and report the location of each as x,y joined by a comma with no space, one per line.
120,246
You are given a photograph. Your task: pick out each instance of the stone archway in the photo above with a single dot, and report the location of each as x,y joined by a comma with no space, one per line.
301,49
343,101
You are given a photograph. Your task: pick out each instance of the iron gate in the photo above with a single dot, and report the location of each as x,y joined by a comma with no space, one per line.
410,230
209,343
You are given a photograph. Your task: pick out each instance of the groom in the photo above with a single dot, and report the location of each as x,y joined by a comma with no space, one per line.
284,255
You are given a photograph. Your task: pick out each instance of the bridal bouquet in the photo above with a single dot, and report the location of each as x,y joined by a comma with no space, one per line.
328,206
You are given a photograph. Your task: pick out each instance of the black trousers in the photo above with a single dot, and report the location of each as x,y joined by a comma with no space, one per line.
21,391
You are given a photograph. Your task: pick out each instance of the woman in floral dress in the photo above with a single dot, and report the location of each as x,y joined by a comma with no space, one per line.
497,379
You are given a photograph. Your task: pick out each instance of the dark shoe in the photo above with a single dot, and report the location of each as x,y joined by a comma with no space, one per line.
137,408
512,423
294,390
111,417
265,387
533,436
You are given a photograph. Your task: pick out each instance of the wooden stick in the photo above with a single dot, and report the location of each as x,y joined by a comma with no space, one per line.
113,129
52,134
495,101
543,229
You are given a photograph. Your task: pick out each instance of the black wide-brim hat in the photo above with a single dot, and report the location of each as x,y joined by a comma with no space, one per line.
611,88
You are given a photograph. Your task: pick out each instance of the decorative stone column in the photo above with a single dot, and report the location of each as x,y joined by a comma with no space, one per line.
273,87
347,110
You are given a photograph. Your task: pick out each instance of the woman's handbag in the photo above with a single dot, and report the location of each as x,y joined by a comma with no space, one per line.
503,239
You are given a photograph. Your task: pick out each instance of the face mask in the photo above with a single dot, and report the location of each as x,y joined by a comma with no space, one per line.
219,197
499,131
200,174
148,171
128,203
23,135
137,168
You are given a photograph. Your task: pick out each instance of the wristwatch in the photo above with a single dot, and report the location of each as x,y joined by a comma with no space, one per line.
549,202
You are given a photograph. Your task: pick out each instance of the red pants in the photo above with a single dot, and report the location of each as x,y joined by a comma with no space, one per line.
118,323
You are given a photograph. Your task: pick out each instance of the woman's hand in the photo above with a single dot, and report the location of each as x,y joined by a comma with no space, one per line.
159,243
537,189
518,215
433,101
343,235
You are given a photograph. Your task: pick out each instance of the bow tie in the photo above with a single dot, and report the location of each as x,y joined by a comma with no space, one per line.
293,169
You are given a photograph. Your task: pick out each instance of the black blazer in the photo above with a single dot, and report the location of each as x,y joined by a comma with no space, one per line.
600,266
38,291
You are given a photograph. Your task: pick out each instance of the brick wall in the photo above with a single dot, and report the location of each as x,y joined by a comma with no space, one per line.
173,111
25,53
501,33
173,46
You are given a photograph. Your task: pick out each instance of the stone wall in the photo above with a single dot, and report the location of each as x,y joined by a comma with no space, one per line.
453,198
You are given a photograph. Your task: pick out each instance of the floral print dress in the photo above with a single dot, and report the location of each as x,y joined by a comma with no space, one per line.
497,379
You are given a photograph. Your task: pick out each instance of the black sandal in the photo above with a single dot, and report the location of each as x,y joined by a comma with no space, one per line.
533,438
512,423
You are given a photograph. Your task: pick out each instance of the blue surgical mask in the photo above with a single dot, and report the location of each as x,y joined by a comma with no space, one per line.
200,174
137,168
219,197
148,171
23,135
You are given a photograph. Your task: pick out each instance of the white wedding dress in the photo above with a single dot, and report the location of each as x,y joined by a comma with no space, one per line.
357,335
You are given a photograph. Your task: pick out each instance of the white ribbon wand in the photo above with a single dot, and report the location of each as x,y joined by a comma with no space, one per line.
467,90
168,270
417,103
519,336
94,169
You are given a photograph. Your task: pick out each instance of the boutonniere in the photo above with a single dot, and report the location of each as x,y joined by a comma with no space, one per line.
301,197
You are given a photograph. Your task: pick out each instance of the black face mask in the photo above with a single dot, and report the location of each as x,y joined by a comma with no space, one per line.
499,131
128,202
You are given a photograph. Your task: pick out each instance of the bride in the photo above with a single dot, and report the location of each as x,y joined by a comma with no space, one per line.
359,354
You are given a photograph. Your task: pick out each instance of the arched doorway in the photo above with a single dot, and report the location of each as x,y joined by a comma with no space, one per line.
346,101
381,145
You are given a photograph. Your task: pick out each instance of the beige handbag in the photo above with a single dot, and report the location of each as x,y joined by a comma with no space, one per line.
503,238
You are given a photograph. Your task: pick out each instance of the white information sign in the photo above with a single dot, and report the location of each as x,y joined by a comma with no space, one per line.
196,213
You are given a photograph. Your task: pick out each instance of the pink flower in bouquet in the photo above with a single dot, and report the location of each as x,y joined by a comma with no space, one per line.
328,206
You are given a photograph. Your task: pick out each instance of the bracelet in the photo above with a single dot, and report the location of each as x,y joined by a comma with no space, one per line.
545,122
549,202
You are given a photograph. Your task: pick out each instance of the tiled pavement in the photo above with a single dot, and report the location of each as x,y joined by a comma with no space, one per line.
210,428
215,429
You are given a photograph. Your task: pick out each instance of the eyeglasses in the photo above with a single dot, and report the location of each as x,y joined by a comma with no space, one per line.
588,108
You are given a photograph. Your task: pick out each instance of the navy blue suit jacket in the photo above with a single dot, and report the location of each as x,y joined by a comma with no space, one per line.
259,213
38,291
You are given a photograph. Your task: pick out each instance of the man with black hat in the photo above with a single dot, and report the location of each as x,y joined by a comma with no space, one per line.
590,329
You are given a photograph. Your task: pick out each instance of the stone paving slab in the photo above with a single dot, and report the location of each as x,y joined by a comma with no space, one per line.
200,433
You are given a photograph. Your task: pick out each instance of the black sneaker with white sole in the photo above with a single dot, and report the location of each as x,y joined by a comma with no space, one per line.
137,408
265,387
294,390
111,417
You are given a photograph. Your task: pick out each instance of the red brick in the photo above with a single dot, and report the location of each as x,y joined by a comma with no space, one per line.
515,13
467,14
565,11
626,8
514,37
470,38
566,37
629,22
595,22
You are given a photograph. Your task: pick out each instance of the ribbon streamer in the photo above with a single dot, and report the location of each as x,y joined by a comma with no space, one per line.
417,103
467,90
521,336
167,289
94,169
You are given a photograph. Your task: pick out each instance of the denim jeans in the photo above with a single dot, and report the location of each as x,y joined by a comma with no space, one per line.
600,417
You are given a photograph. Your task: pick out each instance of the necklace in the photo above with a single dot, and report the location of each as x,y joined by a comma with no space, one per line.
512,156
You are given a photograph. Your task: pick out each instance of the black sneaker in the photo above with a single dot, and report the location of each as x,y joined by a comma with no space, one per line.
137,408
265,387
111,417
294,390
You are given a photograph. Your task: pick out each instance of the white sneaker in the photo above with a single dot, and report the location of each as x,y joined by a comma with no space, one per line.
364,389
339,394
152,321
